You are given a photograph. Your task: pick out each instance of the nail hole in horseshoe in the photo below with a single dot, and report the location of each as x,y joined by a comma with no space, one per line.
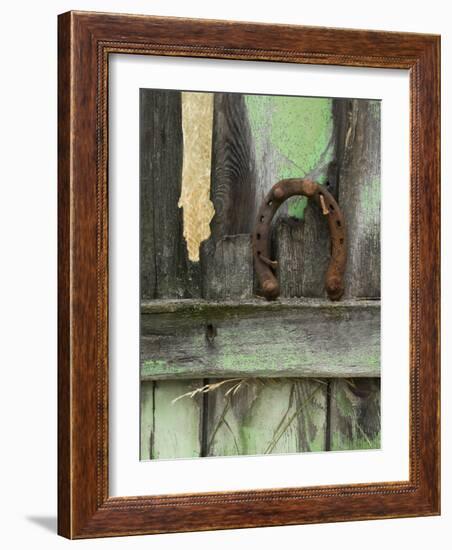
341,241
262,218
331,207
258,236
338,223
270,203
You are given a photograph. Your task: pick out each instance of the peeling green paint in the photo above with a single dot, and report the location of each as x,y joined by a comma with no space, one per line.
177,429
297,131
298,127
277,416
230,362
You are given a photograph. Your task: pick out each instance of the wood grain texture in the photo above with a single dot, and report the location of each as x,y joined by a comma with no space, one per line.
227,268
288,242
359,196
64,293
233,173
177,429
166,270
357,183
255,339
85,507
255,416
147,407
355,414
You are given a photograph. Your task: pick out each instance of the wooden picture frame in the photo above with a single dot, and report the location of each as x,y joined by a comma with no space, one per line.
86,40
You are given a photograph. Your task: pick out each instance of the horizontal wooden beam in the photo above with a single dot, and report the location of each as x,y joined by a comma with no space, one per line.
286,338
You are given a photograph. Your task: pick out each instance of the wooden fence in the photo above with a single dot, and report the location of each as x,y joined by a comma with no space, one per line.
298,374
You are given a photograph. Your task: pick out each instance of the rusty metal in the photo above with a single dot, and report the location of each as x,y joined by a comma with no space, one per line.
265,267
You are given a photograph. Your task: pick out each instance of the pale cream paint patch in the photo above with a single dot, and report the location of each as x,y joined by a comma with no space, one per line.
197,122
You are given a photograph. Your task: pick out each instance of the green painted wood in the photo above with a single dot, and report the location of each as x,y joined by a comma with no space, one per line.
355,404
146,418
177,431
295,338
256,416
355,421
292,137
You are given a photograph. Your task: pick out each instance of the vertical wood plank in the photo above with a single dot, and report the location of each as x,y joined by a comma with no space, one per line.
165,269
177,425
359,197
311,410
317,241
311,395
233,184
227,268
146,419
317,246
269,416
355,414
233,168
355,403
289,245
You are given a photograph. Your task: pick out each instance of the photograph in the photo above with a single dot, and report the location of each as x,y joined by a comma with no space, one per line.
259,274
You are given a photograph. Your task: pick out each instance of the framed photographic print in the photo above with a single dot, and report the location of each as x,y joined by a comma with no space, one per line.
248,275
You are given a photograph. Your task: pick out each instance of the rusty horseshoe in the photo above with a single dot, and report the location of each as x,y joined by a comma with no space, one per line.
265,267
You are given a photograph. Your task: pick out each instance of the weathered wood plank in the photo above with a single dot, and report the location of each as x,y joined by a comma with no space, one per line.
233,183
227,268
317,251
359,196
288,242
256,416
177,430
355,414
256,338
146,418
355,404
165,269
